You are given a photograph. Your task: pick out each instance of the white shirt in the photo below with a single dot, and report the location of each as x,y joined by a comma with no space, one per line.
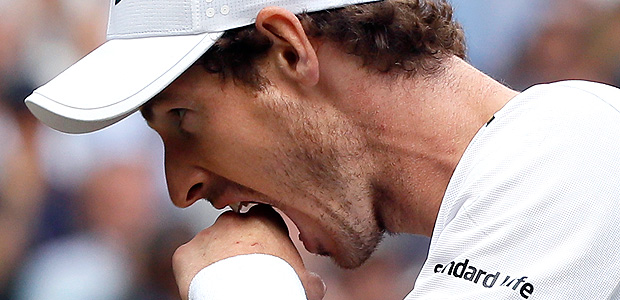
534,203
532,210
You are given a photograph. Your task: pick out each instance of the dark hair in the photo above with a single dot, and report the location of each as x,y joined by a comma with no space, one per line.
400,36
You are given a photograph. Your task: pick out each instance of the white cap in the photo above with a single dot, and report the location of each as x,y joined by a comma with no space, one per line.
150,43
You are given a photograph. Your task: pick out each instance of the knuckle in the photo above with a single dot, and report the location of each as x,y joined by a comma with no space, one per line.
227,218
203,234
228,215
179,256
179,252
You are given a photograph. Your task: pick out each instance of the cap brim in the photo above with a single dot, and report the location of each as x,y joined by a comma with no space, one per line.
114,80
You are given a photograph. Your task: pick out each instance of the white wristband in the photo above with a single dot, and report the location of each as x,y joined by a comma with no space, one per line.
251,276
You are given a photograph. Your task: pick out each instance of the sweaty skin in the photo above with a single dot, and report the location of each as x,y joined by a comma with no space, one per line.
345,152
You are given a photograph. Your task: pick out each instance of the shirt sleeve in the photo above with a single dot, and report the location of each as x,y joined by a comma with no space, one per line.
252,276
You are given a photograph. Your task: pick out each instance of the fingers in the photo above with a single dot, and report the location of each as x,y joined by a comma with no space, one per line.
312,282
314,285
260,230
181,260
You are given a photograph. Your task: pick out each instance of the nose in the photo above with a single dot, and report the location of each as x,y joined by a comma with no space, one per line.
188,183
194,194
185,188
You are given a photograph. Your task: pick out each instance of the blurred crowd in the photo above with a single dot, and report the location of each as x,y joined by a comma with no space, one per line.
87,216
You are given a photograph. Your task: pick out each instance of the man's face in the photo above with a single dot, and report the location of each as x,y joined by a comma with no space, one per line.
227,144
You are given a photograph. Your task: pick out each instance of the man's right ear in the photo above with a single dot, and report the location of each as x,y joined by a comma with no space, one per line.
293,53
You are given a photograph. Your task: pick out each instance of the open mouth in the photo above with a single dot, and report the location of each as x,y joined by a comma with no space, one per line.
241,199
310,244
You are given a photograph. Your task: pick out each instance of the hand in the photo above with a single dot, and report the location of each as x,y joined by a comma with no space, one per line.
260,230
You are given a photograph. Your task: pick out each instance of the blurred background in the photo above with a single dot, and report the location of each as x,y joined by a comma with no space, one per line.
88,216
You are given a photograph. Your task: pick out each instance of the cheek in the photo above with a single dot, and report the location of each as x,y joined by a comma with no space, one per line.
234,152
181,153
244,145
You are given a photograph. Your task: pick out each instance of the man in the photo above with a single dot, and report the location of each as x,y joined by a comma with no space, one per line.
356,119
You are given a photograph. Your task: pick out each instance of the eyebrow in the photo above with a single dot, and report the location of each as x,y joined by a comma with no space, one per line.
147,108
147,112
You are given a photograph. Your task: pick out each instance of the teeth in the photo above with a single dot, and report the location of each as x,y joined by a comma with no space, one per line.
240,207
236,207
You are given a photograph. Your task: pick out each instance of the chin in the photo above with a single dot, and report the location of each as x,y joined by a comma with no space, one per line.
350,262
358,254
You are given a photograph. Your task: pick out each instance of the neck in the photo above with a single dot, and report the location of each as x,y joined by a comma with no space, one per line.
418,129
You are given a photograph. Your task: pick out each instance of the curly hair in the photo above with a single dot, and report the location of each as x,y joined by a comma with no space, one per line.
391,36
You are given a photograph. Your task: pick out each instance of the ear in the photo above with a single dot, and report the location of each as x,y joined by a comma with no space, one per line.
292,50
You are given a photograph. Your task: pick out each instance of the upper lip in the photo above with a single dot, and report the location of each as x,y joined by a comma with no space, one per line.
232,195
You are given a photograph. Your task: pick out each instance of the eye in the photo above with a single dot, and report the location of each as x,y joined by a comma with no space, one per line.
180,112
178,115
